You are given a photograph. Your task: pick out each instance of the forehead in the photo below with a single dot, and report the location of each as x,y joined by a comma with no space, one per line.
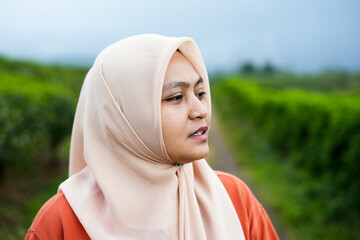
173,84
180,69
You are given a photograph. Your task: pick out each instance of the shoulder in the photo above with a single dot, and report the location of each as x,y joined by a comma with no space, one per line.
240,194
254,220
52,209
55,220
50,212
229,179
234,186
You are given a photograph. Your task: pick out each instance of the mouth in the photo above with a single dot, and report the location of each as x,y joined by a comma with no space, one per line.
199,134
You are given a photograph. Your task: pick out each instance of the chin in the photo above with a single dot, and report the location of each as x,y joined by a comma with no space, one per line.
194,157
189,154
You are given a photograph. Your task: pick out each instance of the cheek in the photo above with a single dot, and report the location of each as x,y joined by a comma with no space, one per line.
171,123
208,117
172,129
207,104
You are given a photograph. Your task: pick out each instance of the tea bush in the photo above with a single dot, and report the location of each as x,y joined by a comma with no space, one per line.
315,132
34,117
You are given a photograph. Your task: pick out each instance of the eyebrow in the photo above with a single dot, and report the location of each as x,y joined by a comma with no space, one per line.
172,85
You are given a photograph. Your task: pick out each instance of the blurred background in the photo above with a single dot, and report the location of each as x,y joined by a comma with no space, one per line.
285,79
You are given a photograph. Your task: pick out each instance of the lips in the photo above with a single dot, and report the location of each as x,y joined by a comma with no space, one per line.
199,134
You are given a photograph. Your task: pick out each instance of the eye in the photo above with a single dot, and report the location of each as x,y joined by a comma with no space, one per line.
201,95
175,98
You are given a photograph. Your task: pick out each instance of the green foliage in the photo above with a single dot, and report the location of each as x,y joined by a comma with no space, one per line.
69,77
32,126
21,199
37,106
247,68
268,68
324,82
35,116
316,135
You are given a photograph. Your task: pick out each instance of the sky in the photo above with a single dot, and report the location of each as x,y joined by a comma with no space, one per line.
297,35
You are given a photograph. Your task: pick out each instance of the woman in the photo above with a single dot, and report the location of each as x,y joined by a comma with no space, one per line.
136,159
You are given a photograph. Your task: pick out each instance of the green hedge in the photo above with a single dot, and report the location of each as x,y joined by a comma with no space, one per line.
318,133
35,116
69,77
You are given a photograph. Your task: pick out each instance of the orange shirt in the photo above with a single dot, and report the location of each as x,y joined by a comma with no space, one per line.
56,219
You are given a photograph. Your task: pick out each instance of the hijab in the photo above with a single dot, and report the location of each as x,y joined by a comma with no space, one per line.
123,184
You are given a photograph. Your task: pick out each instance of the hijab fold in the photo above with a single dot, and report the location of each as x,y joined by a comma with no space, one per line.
123,184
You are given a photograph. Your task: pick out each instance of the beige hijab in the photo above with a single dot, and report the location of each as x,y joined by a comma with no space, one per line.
122,183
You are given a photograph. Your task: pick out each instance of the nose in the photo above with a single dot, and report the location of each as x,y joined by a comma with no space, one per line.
197,108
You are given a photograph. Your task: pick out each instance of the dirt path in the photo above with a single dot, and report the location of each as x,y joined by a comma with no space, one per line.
221,158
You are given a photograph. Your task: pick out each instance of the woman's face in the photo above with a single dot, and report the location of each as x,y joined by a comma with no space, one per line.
185,112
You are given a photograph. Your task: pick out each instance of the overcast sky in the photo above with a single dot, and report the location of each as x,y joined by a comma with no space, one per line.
302,35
